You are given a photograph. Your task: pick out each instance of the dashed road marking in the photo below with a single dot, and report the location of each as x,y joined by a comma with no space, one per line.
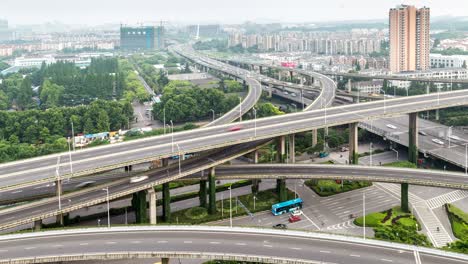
29,248
84,244
162,241
356,256
187,242
386,260
215,242
110,242
241,244
323,251
270,246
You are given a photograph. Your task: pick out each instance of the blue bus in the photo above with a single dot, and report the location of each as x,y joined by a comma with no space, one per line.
286,207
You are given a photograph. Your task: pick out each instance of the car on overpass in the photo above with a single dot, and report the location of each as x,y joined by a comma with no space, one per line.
437,141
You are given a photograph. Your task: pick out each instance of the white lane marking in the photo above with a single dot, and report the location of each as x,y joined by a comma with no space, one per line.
136,242
187,242
386,260
28,248
270,246
84,244
296,248
356,256
323,251
111,242
162,241
3,250
241,244
215,242
18,191
57,246
417,257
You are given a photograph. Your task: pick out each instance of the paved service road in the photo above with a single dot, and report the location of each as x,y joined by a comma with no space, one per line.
269,246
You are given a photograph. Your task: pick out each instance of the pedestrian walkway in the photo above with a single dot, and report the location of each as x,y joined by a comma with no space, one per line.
450,197
431,224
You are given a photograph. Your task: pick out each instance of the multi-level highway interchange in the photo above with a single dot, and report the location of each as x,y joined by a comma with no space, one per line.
217,145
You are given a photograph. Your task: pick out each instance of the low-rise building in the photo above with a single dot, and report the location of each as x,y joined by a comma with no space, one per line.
445,61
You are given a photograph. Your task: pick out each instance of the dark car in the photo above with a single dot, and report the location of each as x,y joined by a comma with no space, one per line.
280,226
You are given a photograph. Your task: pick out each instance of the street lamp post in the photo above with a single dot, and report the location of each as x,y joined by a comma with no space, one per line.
240,109
108,206
222,205
213,113
255,121
59,183
364,215
180,157
230,205
370,151
164,119
466,159
384,104
73,134
70,160
302,98
172,135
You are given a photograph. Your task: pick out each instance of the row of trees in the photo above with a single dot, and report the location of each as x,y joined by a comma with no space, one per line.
64,84
182,101
34,132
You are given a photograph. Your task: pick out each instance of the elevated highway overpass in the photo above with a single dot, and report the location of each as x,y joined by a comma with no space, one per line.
209,243
114,156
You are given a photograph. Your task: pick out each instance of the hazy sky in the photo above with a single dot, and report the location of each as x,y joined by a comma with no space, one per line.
135,11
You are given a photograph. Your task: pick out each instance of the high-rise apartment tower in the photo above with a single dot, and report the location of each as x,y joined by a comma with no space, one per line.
409,38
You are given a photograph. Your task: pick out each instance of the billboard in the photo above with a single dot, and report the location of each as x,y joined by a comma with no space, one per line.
288,64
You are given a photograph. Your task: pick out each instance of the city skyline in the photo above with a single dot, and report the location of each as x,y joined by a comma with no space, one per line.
207,11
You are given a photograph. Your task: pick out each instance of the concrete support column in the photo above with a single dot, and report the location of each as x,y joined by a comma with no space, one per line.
255,182
128,168
301,80
164,260
281,149
353,144
165,162
349,87
260,68
166,202
404,197
314,137
292,148
58,193
413,138
139,206
202,193
212,191
281,190
437,115
270,90
37,225
152,206
279,75
291,75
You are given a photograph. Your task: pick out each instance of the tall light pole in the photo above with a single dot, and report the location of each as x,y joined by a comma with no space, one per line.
364,215
73,134
213,113
180,154
466,159
70,159
230,205
255,121
59,183
172,135
240,109
164,119
370,150
302,98
108,206
384,104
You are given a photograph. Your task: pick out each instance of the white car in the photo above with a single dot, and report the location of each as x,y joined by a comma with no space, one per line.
296,213
293,94
453,137
437,141
391,126
138,179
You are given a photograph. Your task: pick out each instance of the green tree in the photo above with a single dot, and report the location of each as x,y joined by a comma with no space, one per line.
25,93
103,124
4,101
51,94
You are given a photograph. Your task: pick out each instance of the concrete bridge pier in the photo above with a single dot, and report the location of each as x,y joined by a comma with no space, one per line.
292,148
291,75
281,157
212,191
260,69
255,182
58,193
413,154
37,225
353,144
164,260
152,206
349,87
139,206
166,202
270,90
314,137
202,193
